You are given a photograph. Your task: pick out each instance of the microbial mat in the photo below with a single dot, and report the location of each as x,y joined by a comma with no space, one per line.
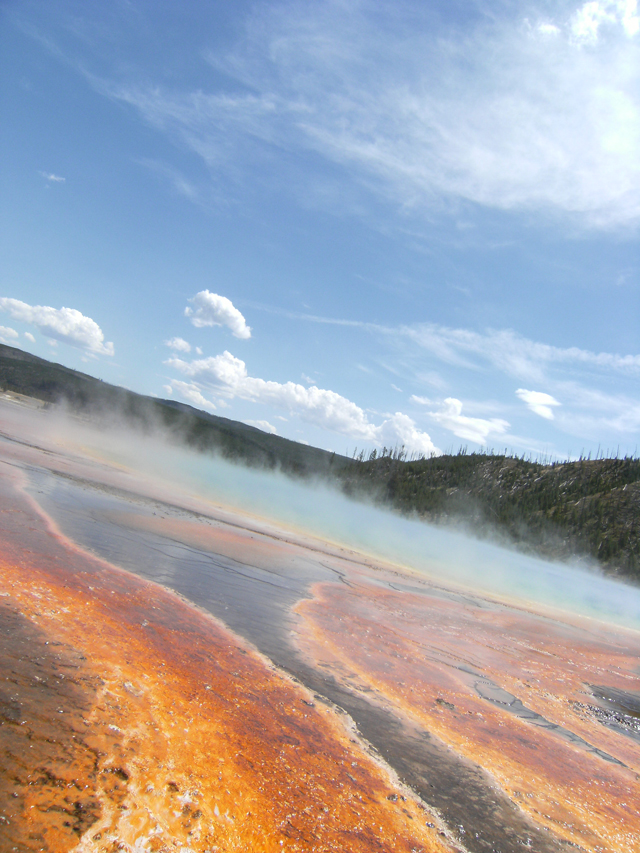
179,674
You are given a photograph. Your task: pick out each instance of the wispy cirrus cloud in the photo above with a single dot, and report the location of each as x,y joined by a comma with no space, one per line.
503,349
180,183
511,353
535,113
595,413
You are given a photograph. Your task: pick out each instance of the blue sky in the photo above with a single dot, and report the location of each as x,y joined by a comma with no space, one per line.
354,223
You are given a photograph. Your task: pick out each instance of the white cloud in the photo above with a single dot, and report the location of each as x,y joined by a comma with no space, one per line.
539,402
178,345
61,324
477,430
227,375
571,373
7,333
504,349
548,29
30,337
180,184
265,426
501,115
510,352
55,179
587,21
210,309
401,429
192,393
592,413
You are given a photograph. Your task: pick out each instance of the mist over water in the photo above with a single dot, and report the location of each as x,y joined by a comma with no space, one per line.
444,555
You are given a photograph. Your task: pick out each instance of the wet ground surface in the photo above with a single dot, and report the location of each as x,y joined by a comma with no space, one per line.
256,600
489,713
617,709
46,689
168,732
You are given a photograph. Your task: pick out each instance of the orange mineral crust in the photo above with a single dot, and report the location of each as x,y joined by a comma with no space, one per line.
504,687
133,721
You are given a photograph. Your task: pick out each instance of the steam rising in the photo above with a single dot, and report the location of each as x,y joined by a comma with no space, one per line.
446,556
315,509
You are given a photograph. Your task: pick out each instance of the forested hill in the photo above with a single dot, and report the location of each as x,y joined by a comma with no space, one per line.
35,377
585,509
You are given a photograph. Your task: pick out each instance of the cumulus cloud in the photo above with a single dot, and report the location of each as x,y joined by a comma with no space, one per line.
401,429
227,375
478,430
265,426
192,393
588,20
539,402
7,334
30,337
67,325
211,309
178,345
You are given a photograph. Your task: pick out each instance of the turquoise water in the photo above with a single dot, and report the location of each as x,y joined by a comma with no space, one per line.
449,556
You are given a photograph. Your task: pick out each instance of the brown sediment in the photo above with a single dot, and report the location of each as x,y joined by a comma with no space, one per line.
47,769
168,731
506,688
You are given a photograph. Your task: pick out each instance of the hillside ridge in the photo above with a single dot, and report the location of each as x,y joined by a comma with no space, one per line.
586,510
